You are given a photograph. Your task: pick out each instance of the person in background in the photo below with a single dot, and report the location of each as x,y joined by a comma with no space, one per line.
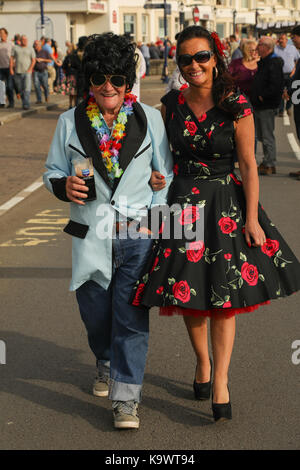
5,54
266,94
72,84
234,44
154,52
146,54
22,62
290,56
40,73
292,92
50,67
244,69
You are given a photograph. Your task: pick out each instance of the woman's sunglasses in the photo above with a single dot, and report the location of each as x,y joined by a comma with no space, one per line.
200,57
99,79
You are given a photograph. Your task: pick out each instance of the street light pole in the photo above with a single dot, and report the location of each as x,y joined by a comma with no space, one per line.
165,66
42,17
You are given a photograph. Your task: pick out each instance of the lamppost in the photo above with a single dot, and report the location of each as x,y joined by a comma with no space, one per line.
42,18
234,20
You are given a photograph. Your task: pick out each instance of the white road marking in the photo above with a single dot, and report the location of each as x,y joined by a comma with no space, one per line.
294,144
21,196
286,120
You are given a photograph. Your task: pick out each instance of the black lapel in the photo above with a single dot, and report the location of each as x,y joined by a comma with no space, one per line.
136,130
89,140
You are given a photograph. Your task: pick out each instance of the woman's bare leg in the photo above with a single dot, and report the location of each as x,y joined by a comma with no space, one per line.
222,338
197,329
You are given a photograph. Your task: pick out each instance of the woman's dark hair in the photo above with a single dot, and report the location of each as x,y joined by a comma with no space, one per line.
223,83
109,54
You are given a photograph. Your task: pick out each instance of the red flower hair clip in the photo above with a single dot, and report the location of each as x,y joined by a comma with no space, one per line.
218,43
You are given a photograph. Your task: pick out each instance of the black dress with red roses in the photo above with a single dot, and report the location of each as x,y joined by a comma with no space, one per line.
201,264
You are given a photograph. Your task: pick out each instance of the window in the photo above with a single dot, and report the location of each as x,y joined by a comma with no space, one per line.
145,29
129,24
245,4
161,27
221,30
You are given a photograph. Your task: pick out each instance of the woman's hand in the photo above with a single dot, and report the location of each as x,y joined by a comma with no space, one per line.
76,188
157,181
254,234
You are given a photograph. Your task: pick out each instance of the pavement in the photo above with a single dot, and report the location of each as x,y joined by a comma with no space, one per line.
11,114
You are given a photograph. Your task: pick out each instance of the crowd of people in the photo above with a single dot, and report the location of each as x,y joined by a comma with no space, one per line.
44,64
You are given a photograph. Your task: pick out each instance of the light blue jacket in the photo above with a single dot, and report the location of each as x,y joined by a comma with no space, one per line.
144,148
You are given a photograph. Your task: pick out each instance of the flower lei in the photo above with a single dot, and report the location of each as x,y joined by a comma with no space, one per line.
110,145
218,43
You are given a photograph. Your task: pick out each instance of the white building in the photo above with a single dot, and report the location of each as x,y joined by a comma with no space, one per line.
70,19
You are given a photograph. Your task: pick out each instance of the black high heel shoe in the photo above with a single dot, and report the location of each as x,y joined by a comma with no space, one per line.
202,390
221,411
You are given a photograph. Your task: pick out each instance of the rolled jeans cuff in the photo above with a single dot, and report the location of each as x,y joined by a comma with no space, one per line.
121,391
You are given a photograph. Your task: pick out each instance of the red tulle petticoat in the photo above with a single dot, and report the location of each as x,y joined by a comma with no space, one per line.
214,312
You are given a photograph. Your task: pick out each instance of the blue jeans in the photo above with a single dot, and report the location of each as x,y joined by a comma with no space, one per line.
117,331
25,82
7,79
40,79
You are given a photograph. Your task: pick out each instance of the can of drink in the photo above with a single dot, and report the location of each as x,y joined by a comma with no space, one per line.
84,169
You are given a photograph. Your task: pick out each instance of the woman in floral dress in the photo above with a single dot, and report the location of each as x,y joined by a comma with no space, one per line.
239,261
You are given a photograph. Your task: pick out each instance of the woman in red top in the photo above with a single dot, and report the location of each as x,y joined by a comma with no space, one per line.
244,69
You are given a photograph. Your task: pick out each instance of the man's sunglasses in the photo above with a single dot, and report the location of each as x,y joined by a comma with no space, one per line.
200,57
99,79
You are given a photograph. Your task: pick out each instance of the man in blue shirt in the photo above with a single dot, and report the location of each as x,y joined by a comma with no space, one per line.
290,56
50,68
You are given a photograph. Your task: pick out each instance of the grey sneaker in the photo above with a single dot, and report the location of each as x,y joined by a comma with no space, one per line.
125,414
101,386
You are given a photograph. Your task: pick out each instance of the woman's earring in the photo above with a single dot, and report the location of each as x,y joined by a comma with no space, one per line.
215,73
181,83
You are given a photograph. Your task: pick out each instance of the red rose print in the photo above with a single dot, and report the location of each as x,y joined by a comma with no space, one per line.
195,190
235,179
138,294
243,230
167,252
172,116
209,134
202,117
247,112
222,124
154,264
195,251
249,274
160,290
184,86
228,256
227,304
242,99
175,169
181,99
191,127
270,247
227,225
181,291
189,215
203,164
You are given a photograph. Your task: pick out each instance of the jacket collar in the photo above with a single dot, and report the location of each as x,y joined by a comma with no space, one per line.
136,129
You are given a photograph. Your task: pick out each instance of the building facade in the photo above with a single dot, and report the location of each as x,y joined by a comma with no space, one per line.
67,20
